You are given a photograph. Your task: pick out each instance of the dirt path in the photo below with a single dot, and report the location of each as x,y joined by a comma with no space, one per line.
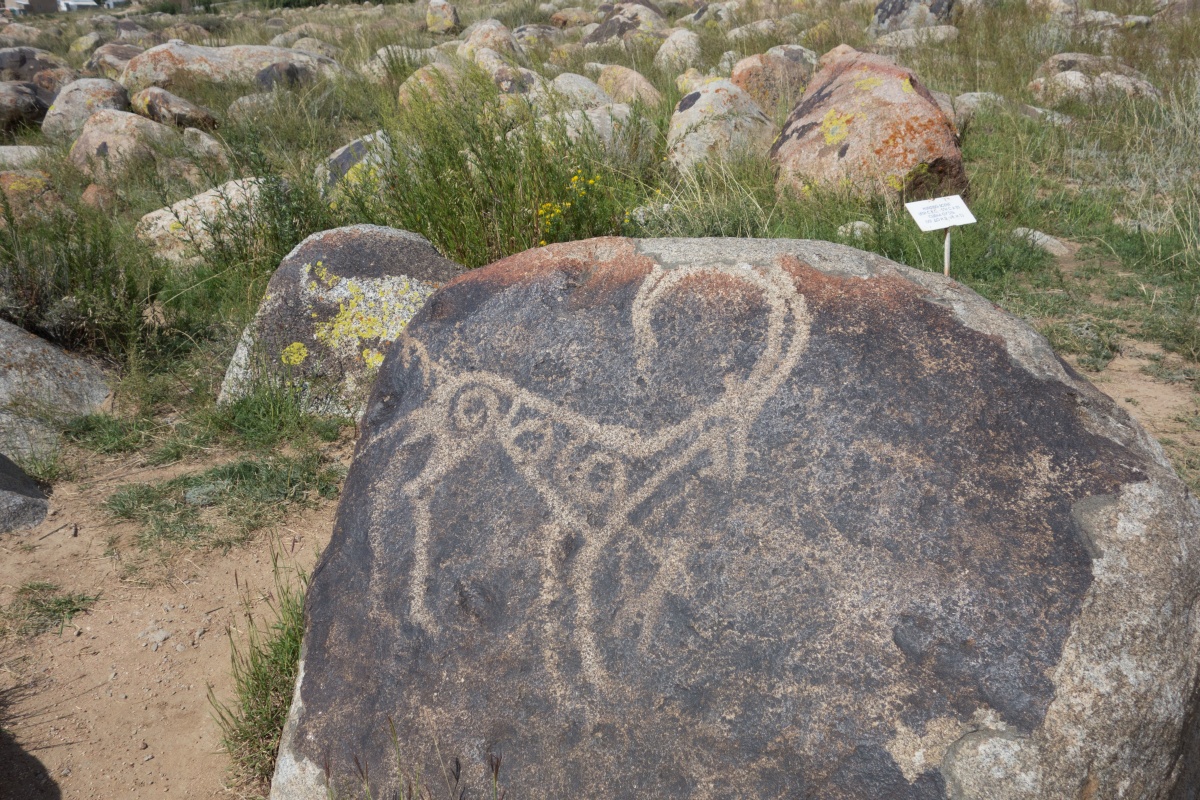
117,705
111,709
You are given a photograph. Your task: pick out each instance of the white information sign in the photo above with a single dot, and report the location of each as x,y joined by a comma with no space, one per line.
941,212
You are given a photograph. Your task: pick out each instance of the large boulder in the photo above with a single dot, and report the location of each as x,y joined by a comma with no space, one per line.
110,60
772,79
39,385
22,502
629,22
77,102
714,122
678,52
20,105
178,61
896,15
625,85
745,518
169,109
43,69
112,141
442,17
180,232
867,125
331,311
1086,78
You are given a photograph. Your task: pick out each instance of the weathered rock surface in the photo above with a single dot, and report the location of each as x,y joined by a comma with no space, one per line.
28,193
20,105
111,59
867,125
911,38
1085,78
627,22
43,69
680,51
356,163
39,381
111,141
162,106
77,102
772,80
332,309
625,85
18,155
895,15
714,122
745,518
22,502
442,17
176,60
180,232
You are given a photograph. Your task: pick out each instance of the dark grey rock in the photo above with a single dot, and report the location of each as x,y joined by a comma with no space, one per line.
738,518
43,69
39,381
22,503
20,105
896,15
332,309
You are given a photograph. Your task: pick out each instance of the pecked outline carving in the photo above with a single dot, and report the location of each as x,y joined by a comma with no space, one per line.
465,409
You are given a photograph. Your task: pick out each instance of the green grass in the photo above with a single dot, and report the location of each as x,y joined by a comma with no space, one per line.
224,505
40,607
265,666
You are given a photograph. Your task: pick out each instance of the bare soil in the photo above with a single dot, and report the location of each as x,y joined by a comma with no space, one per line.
109,707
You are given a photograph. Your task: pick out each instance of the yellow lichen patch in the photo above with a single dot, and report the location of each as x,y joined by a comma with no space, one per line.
323,275
294,354
372,358
869,83
836,126
906,86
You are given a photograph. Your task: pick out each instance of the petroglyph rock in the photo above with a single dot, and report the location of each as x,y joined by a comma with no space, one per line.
745,518
332,308
867,125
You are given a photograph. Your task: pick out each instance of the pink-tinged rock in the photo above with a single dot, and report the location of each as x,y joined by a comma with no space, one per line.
869,126
176,60
112,141
772,80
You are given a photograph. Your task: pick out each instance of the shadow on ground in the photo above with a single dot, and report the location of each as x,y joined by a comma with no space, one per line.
22,775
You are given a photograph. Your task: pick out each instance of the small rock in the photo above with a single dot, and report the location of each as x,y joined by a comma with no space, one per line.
1053,246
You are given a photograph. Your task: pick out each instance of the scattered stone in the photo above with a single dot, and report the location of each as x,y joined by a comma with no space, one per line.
316,47
759,29
20,105
187,31
968,104
1085,78
247,107
867,125
111,141
16,156
176,60
202,146
22,502
77,102
532,37
575,91
357,163
1044,241
85,44
110,60
625,85
772,80
714,122
332,310
28,194
844,528
180,232
895,15
857,231
44,70
628,22
39,381
162,106
912,38
490,35
441,17
573,17
680,51
99,197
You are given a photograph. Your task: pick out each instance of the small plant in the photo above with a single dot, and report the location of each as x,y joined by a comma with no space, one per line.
264,675
107,434
40,607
